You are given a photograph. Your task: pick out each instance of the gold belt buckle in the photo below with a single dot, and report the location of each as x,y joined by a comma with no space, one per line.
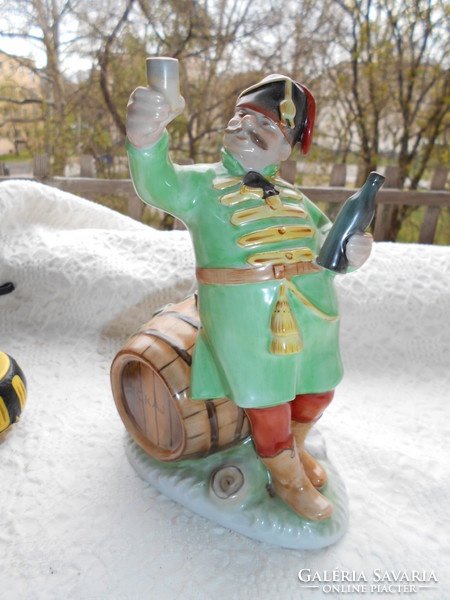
279,271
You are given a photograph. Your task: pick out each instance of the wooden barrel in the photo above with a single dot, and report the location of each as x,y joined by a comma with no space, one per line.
150,379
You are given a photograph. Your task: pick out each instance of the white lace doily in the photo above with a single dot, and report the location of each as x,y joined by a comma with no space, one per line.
78,522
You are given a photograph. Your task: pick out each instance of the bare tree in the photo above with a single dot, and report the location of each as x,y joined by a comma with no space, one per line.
212,42
378,68
298,39
392,81
39,24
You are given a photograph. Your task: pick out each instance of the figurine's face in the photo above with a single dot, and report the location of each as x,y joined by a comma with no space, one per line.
255,140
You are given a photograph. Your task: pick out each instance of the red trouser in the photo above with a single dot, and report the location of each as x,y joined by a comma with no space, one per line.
271,427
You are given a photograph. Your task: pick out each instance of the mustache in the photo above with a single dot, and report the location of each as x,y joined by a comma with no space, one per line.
256,139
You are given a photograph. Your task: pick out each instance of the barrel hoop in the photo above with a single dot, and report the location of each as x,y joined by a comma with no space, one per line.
195,323
170,423
182,353
239,424
214,425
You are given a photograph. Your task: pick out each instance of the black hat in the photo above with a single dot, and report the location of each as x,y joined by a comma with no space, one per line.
288,103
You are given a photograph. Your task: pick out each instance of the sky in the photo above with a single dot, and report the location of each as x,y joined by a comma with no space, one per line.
20,47
72,66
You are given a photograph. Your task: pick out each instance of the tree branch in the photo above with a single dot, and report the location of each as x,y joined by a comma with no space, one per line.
104,58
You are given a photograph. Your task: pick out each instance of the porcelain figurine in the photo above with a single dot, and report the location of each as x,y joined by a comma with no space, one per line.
257,349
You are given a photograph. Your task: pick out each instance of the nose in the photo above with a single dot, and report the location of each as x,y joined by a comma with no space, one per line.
248,122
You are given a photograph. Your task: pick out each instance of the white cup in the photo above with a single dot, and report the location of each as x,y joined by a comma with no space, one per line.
163,75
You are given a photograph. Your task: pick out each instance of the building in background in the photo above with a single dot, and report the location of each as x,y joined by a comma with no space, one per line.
20,103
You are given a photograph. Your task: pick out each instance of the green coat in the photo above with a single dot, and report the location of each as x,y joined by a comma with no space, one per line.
232,357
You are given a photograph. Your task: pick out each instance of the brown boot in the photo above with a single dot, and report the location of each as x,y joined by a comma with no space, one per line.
293,486
314,470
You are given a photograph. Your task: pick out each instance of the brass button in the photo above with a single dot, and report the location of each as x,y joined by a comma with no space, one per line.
282,230
289,255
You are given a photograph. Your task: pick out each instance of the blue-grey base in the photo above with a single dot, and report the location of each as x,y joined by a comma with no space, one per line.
232,488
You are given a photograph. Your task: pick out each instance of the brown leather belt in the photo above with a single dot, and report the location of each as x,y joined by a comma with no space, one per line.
226,276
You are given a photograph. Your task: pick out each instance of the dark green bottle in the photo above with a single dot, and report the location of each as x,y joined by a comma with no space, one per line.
354,217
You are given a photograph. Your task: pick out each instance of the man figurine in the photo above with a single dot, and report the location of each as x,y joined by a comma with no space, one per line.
269,313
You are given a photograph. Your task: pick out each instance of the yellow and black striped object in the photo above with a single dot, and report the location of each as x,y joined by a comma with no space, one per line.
13,391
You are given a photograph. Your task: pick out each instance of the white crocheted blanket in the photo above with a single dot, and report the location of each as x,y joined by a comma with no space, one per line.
77,521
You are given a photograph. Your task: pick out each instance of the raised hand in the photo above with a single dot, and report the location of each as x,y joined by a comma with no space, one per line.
148,113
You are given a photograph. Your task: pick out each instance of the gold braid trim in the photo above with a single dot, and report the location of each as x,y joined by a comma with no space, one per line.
309,304
222,183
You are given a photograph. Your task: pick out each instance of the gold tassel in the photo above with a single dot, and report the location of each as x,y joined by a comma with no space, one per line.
285,334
